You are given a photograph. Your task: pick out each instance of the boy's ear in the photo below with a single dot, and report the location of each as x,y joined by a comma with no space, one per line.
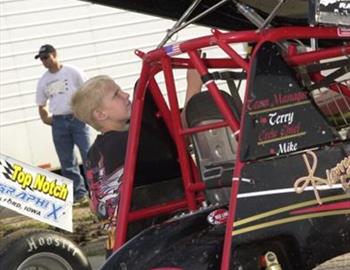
99,115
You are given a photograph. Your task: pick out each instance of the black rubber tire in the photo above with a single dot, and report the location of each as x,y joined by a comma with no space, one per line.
26,249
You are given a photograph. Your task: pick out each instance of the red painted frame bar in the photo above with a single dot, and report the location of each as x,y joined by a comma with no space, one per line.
336,87
130,159
179,139
160,209
214,91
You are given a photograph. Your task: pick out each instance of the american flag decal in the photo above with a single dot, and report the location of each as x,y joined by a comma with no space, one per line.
173,49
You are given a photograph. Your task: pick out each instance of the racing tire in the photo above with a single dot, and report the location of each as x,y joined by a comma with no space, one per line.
40,249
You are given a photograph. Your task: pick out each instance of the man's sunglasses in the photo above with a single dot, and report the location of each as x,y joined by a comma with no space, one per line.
44,57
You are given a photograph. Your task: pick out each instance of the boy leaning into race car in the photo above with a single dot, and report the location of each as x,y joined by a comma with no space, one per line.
102,104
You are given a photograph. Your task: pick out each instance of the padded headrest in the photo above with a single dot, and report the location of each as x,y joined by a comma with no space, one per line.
201,107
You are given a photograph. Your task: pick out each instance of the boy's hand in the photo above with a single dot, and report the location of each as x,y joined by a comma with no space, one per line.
194,83
194,80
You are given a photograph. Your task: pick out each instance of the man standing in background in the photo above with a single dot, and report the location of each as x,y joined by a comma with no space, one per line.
57,85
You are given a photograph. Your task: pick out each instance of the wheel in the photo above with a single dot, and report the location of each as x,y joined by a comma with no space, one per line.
40,250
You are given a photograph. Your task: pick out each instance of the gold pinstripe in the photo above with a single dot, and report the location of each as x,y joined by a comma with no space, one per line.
289,220
288,208
282,138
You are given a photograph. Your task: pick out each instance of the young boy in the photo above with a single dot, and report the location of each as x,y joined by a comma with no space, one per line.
102,104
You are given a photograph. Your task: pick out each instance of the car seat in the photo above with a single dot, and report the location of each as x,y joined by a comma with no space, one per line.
215,149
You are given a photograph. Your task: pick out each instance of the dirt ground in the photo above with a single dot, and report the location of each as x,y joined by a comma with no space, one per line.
86,228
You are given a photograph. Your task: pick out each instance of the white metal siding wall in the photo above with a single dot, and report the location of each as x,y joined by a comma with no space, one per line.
98,39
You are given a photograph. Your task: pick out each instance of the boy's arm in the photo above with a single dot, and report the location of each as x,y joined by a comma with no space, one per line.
194,84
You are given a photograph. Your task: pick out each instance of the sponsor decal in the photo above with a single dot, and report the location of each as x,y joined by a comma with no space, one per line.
218,216
339,174
35,243
36,193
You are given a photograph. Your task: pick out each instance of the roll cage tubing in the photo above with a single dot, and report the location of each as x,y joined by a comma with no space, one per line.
158,60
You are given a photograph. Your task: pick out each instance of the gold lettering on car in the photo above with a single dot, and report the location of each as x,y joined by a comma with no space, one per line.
339,174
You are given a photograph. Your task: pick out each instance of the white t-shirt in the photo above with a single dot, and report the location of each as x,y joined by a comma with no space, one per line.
58,88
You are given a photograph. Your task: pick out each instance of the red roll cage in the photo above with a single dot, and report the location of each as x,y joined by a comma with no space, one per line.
165,59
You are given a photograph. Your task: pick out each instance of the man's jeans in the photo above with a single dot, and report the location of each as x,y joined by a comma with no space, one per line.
68,131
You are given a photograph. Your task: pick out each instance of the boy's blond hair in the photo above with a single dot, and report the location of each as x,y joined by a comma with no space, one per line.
88,98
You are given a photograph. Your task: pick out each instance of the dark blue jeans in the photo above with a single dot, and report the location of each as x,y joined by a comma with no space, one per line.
68,131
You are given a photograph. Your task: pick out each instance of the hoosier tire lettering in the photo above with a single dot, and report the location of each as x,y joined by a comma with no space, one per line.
28,249
35,243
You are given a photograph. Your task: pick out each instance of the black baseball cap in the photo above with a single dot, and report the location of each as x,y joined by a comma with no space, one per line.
45,50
